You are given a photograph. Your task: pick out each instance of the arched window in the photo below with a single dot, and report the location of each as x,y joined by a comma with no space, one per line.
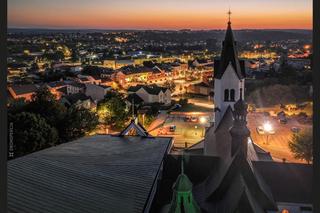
232,95
226,95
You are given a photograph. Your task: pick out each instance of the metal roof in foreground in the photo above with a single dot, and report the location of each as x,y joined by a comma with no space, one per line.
95,174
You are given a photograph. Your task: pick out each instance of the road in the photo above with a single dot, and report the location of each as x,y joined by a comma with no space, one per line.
157,124
186,132
203,102
277,143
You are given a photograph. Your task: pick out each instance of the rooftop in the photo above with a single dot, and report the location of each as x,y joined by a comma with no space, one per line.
24,89
92,174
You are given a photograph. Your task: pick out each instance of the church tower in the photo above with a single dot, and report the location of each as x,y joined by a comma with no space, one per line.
229,75
239,130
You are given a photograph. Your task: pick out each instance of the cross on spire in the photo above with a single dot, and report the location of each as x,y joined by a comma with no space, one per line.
229,14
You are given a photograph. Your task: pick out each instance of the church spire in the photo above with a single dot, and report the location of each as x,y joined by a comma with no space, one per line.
229,14
229,54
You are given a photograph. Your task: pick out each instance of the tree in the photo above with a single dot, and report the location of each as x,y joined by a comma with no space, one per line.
76,123
43,102
183,101
74,56
31,133
92,70
274,94
34,67
170,85
301,145
112,109
16,105
57,56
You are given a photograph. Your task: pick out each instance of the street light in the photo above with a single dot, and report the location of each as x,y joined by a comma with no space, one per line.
203,120
267,127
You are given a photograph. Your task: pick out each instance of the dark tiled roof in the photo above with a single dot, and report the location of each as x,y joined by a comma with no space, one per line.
76,97
101,173
135,70
56,84
229,54
202,84
24,88
289,182
77,84
151,89
134,97
215,193
63,90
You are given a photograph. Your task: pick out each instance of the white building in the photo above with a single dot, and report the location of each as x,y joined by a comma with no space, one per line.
152,94
96,92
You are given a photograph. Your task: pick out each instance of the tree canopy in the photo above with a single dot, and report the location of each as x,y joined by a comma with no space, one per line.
112,109
43,102
76,123
278,94
31,133
301,145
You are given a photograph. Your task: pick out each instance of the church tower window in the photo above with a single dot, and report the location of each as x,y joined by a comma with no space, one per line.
232,93
226,95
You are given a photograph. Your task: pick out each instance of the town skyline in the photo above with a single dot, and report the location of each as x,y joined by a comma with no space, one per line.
164,15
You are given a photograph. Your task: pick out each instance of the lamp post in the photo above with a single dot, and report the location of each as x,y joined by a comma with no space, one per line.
267,129
203,121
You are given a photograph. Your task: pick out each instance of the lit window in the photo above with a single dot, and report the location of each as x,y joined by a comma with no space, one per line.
285,211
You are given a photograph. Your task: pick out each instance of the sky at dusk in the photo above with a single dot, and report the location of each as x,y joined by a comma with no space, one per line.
160,14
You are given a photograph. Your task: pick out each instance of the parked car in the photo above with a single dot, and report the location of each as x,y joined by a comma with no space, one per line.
172,128
260,130
194,119
187,119
283,120
272,132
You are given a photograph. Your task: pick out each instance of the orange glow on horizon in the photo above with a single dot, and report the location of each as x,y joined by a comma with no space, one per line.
95,17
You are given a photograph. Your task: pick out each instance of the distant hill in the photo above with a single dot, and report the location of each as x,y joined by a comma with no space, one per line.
188,35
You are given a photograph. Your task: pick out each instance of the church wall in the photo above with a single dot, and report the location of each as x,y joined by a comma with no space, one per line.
229,81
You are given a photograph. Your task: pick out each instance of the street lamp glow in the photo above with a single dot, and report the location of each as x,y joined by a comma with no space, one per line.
267,127
203,120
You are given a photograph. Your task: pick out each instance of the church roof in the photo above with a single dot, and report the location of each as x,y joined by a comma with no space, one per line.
229,55
292,182
214,193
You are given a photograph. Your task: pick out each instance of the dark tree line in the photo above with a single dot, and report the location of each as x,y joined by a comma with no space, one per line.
44,122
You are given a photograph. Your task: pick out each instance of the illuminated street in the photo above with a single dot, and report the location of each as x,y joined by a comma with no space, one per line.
189,132
278,142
